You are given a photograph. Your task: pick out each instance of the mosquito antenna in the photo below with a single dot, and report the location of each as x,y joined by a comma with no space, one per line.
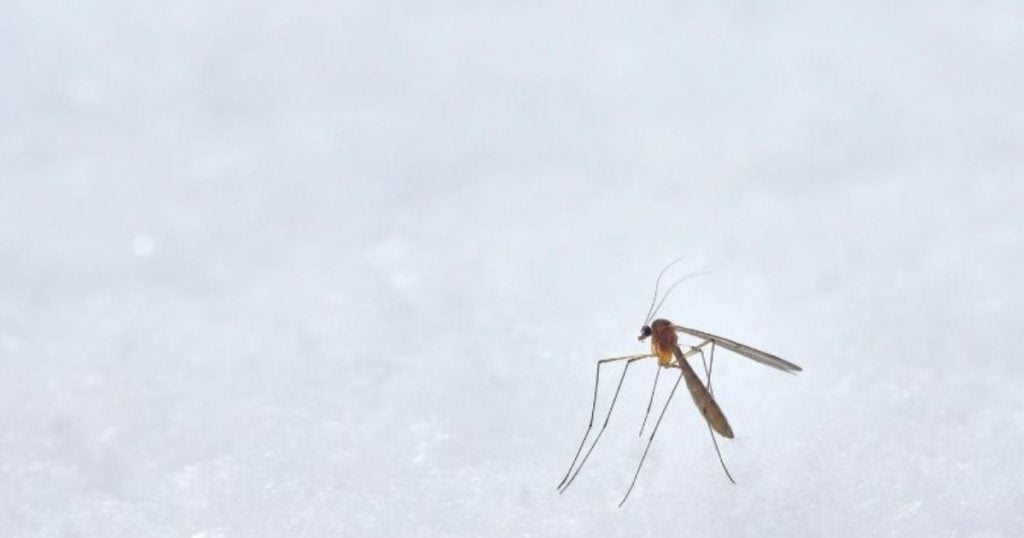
654,299
672,287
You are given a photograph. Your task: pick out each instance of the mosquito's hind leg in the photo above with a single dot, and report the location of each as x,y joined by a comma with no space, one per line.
707,373
709,368
699,350
719,452
593,406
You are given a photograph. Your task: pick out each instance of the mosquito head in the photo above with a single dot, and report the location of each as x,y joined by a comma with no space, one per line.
645,331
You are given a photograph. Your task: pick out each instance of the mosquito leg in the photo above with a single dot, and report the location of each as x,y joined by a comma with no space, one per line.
719,452
651,439
593,405
711,392
699,349
707,371
704,362
657,372
629,361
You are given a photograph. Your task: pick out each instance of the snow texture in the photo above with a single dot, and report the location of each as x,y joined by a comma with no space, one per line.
344,269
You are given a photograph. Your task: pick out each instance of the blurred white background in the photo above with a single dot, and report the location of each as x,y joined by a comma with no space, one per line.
303,269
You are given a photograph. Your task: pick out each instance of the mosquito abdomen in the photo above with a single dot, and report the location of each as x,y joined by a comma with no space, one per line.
703,399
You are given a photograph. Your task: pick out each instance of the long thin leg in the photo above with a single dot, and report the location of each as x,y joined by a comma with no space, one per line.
719,452
699,349
649,441
657,372
707,372
593,405
711,367
605,425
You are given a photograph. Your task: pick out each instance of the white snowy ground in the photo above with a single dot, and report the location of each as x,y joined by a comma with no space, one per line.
289,269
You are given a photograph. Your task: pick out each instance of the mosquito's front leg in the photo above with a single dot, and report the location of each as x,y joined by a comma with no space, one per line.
593,405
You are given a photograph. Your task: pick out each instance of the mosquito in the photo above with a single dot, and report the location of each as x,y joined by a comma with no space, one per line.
665,347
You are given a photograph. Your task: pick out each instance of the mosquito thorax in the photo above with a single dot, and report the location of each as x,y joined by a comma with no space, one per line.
663,341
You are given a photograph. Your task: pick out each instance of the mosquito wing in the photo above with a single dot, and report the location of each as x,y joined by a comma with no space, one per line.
747,351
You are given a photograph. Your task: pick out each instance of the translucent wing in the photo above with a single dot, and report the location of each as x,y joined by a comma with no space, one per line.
747,351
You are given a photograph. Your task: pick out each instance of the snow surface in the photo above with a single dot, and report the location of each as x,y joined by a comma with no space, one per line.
344,269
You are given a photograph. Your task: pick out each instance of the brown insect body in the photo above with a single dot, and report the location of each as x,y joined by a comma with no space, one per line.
664,341
665,344
703,399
